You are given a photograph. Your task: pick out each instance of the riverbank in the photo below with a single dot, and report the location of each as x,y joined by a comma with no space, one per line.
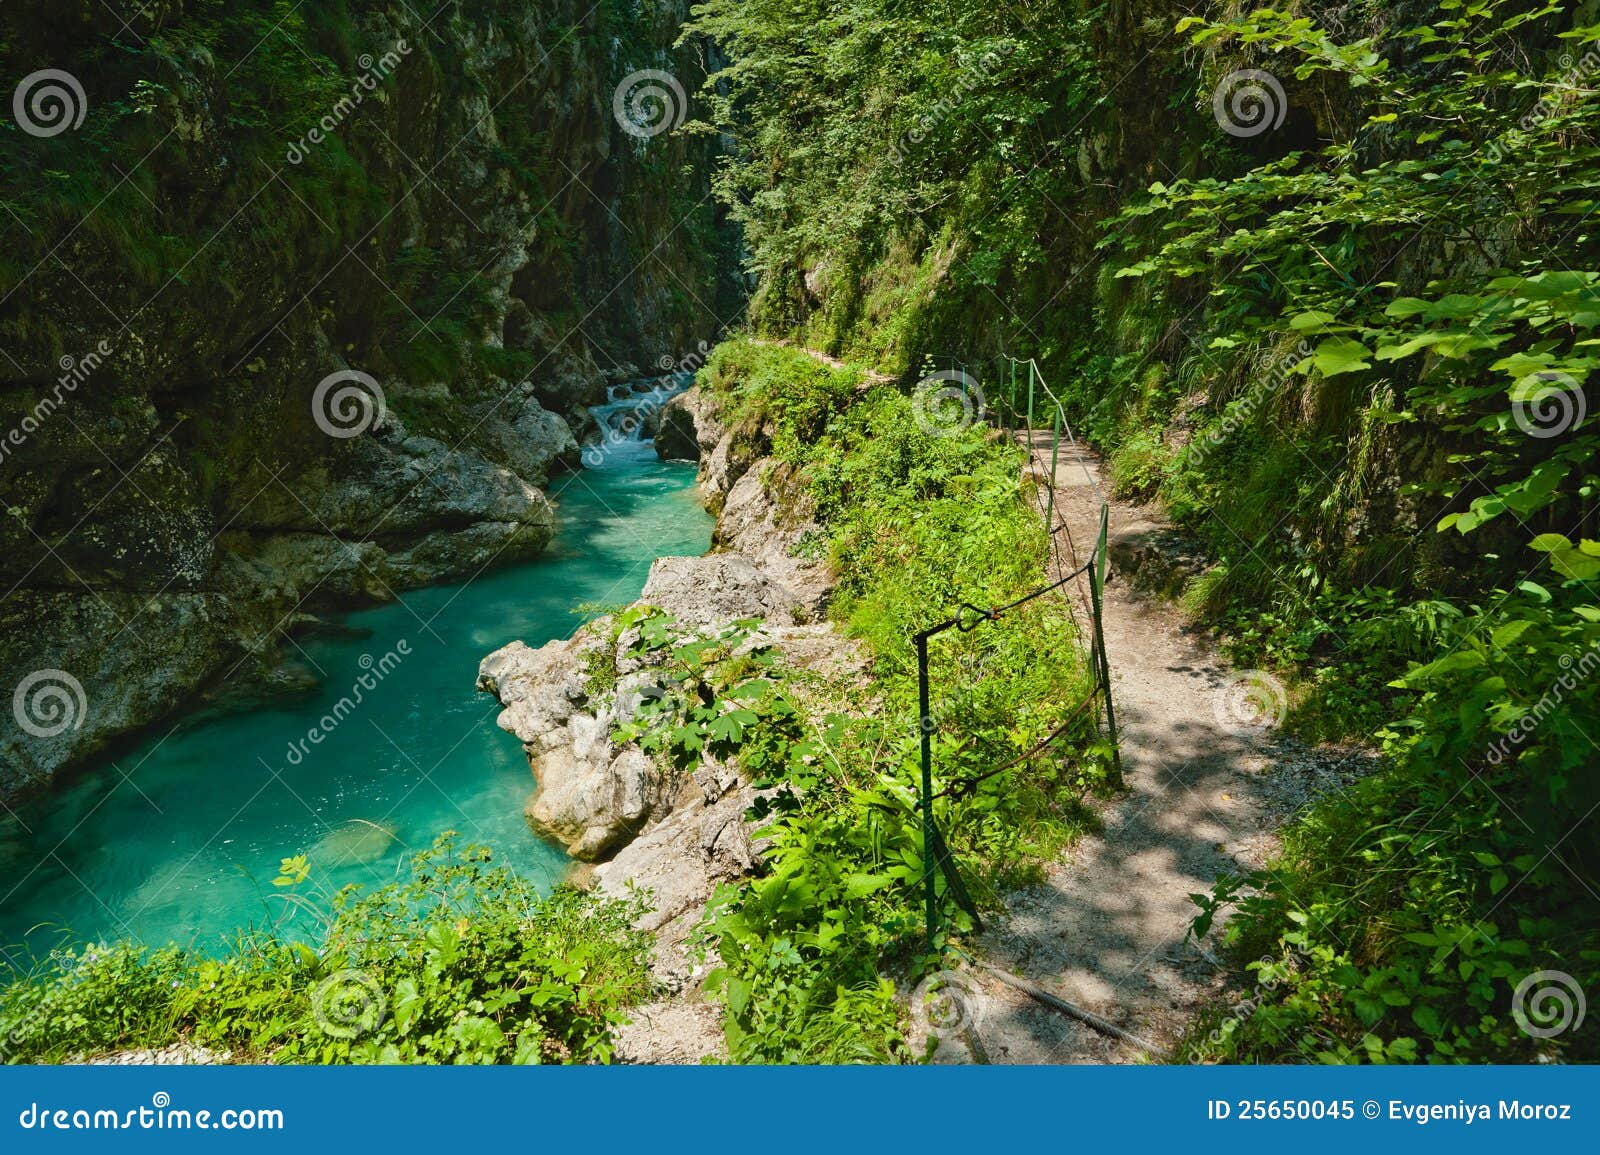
738,741
611,801
178,839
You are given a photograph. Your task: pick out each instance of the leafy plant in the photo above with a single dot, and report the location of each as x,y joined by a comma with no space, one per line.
1406,913
463,963
717,695
808,949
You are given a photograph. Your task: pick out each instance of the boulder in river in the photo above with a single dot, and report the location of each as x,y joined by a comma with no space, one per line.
689,426
356,841
592,795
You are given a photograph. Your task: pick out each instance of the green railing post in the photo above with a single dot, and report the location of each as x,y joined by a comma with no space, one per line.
935,853
1055,449
1030,406
1097,582
925,724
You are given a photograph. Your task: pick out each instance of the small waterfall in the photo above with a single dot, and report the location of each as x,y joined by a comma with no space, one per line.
628,418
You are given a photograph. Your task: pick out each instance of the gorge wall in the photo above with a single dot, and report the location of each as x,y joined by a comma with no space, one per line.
300,309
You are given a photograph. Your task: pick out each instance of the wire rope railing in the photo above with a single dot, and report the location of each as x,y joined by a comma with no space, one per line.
1025,383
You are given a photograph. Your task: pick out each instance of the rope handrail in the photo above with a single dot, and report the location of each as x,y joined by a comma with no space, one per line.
967,786
961,621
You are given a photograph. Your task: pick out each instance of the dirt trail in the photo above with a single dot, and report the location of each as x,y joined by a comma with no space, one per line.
1107,930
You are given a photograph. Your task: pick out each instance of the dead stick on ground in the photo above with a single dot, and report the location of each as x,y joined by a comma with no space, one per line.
1056,1002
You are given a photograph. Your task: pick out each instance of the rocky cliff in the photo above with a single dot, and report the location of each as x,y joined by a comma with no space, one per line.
303,309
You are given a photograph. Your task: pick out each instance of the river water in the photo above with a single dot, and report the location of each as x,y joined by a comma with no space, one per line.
179,838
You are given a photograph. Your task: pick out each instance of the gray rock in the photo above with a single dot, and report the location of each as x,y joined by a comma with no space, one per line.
675,837
593,811
688,426
531,444
537,688
109,663
439,556
173,1055
393,489
755,523
732,459
181,456
716,589
592,796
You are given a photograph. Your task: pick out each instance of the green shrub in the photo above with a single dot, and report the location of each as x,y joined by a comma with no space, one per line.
1406,912
914,523
788,388
463,963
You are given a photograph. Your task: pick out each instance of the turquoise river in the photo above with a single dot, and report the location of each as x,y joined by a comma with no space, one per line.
178,839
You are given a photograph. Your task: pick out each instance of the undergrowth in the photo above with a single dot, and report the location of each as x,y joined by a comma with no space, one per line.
463,963
915,523
1390,459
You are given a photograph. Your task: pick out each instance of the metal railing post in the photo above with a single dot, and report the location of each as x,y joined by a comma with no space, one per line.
936,854
925,724
1055,450
1097,582
1012,392
1030,407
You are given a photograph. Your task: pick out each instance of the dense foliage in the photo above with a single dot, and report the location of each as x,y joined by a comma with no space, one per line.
462,963
1419,281
205,175
1351,357
896,162
914,520
1351,353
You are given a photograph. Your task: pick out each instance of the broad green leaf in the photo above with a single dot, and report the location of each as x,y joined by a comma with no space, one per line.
1339,355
